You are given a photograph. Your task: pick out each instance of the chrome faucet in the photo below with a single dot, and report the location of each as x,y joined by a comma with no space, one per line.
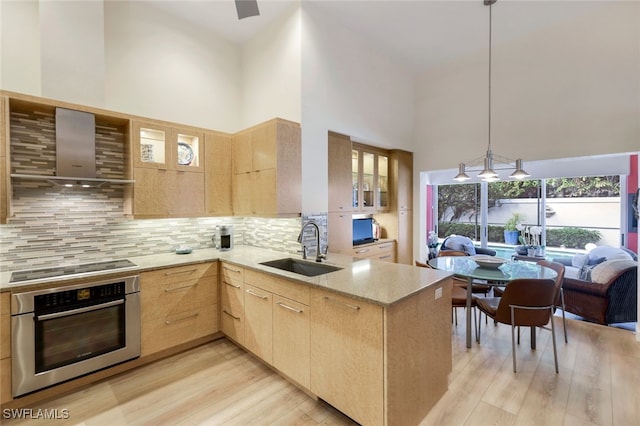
319,255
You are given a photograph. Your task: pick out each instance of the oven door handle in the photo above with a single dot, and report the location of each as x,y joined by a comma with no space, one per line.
79,310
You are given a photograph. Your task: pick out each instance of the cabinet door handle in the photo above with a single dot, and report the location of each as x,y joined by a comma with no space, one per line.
188,271
386,256
354,307
291,308
224,311
362,251
169,290
237,271
168,322
232,285
253,293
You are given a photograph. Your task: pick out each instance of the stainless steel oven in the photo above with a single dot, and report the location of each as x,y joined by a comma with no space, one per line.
62,333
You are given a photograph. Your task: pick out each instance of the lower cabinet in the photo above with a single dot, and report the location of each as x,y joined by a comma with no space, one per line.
381,250
291,339
178,305
5,348
276,317
232,302
347,355
258,324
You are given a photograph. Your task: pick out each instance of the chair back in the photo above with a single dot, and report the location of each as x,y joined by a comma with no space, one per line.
527,292
443,253
559,268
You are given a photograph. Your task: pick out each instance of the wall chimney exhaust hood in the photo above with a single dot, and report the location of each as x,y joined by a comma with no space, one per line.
75,152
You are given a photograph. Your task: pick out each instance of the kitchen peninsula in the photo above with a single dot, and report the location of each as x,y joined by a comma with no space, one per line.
377,344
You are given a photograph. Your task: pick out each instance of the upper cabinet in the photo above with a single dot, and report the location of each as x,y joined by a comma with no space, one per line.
267,170
168,171
162,147
217,174
340,174
370,179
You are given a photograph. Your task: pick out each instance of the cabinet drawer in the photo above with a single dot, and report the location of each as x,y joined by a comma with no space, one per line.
383,251
232,324
174,297
231,273
172,330
166,276
285,288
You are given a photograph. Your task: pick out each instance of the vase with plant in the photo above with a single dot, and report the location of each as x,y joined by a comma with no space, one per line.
511,232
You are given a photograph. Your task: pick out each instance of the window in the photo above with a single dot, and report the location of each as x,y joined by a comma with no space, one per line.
571,211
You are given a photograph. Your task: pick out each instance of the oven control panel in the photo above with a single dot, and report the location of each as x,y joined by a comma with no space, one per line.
78,297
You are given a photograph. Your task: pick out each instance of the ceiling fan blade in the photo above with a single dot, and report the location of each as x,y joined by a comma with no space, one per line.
247,8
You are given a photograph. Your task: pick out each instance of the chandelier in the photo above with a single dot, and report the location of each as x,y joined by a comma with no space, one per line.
490,162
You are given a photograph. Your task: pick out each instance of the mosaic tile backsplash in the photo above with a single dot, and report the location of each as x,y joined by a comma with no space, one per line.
57,226
61,226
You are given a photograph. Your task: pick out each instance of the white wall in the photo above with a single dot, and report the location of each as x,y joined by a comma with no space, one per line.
72,51
161,67
20,47
271,73
349,87
570,90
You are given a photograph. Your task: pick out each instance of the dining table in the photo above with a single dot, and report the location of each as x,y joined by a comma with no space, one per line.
494,272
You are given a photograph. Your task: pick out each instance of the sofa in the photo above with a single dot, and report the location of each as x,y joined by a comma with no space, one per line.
602,285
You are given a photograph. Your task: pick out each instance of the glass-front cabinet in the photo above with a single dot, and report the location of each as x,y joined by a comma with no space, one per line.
370,178
160,147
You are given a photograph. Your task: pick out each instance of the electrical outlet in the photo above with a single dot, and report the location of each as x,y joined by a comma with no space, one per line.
438,293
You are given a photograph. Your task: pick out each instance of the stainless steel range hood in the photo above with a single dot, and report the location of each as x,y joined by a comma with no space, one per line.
75,151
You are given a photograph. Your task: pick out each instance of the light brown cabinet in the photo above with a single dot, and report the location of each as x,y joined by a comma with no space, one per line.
232,302
340,239
258,325
347,355
178,305
340,183
168,171
291,339
370,179
360,353
380,250
275,314
217,177
267,170
5,348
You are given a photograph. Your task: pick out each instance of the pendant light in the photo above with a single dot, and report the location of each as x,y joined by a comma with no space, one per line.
491,162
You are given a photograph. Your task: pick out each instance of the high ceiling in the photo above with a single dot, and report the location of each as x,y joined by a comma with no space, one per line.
417,33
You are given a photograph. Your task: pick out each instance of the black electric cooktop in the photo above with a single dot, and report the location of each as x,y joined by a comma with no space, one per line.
61,271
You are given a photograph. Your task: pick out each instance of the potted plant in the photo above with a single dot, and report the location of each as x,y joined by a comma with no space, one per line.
511,232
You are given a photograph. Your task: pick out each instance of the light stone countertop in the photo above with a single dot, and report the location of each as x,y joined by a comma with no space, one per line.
370,280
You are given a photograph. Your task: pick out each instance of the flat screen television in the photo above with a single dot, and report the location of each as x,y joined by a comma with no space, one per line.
362,231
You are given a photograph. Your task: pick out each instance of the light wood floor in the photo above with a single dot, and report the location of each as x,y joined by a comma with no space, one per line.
219,384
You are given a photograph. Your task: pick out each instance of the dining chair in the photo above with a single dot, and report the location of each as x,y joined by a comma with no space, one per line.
559,301
458,299
526,302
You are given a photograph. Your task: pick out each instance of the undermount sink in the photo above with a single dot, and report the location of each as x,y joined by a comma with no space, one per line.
308,269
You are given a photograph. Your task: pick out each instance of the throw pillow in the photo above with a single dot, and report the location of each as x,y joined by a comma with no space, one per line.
579,260
605,271
609,252
593,262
